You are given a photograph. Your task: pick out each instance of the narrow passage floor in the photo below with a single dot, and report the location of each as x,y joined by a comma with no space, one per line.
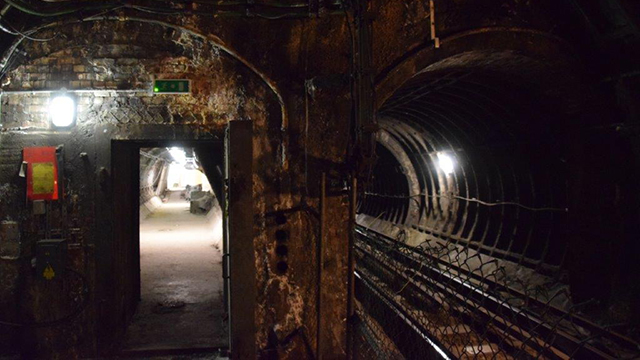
181,273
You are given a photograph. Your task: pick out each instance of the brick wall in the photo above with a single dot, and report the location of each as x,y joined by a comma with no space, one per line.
111,67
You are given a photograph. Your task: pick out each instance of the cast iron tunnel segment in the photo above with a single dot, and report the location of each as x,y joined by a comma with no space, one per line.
461,239
506,194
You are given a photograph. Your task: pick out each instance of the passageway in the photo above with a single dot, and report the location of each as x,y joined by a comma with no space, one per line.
181,303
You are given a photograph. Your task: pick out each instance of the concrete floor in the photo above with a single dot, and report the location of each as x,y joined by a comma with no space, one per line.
181,271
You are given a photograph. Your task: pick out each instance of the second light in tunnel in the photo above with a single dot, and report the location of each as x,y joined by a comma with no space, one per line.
446,163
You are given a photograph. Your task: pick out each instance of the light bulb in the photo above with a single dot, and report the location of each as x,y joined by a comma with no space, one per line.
178,155
446,163
62,110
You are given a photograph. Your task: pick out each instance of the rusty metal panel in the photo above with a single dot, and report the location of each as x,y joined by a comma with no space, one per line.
242,272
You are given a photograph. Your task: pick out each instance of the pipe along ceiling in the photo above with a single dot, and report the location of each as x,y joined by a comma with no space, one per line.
475,159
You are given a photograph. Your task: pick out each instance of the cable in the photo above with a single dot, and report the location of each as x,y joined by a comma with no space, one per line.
470,200
174,11
86,291
154,10
8,31
17,32
244,3
8,58
24,8
510,203
112,7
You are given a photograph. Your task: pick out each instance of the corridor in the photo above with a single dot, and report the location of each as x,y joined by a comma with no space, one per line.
181,271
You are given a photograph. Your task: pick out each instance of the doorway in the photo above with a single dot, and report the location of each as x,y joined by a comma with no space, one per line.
169,201
181,282
228,168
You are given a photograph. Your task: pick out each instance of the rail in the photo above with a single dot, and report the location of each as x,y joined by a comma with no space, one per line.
432,302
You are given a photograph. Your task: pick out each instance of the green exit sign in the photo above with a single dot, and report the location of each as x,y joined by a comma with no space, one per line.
177,86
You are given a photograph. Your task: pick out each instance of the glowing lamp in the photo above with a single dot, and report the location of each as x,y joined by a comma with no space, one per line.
178,155
62,111
446,163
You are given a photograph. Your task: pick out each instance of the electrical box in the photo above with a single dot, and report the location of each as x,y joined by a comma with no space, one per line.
51,256
9,240
42,173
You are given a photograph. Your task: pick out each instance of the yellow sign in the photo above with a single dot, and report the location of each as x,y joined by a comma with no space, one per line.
49,273
43,178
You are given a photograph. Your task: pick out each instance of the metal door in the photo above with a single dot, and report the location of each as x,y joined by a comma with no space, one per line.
239,253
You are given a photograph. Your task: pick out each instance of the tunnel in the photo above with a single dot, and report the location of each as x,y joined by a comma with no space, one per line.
319,179
471,192
476,159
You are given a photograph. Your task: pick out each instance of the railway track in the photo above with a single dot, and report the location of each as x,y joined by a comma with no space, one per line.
431,306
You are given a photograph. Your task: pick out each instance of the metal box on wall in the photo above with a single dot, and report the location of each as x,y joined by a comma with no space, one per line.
51,256
42,173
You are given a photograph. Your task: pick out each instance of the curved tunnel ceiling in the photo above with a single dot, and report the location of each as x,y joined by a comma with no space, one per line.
506,194
209,160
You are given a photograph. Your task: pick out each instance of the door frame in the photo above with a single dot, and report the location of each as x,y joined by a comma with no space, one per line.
125,262
236,192
239,222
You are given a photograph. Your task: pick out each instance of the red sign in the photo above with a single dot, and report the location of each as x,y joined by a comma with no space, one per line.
42,173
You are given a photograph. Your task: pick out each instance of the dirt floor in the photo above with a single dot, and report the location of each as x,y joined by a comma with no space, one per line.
182,293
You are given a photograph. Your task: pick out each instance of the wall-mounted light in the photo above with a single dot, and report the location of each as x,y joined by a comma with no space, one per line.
446,163
62,111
